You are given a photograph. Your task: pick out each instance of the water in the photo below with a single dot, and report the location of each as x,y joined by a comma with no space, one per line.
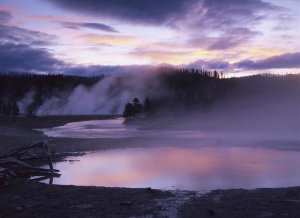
189,163
113,128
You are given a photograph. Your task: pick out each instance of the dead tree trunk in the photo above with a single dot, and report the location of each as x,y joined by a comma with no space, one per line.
15,164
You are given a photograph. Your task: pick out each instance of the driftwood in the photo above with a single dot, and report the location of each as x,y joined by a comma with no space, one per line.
16,164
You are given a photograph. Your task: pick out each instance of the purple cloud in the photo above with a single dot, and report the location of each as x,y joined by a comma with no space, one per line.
14,34
233,38
106,69
288,60
20,49
210,65
25,58
5,16
208,13
152,12
232,13
96,26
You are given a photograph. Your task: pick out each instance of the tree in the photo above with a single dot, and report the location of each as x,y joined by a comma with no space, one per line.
15,109
2,108
216,75
137,106
133,109
147,106
128,111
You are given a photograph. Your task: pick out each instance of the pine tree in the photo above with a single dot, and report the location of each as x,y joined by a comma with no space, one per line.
147,106
137,106
128,111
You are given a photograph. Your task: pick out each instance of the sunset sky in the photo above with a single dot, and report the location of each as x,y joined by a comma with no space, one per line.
115,36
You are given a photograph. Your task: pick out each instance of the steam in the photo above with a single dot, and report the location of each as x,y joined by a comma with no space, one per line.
271,106
108,96
26,101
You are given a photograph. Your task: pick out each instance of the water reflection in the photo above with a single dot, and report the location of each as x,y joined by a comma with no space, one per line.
189,168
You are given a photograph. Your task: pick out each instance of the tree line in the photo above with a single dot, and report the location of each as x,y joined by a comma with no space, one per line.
187,90
11,109
136,109
14,86
190,89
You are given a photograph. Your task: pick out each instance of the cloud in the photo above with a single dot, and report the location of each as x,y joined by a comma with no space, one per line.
229,39
21,51
111,40
106,69
18,34
96,26
5,16
288,60
13,34
203,13
210,65
223,23
152,12
24,58
231,13
233,38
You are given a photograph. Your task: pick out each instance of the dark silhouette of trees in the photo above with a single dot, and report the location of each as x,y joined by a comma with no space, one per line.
186,90
2,108
200,90
147,106
16,85
133,109
9,110
15,109
128,111
137,106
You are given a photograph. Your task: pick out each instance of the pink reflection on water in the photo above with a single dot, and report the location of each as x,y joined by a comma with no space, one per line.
188,168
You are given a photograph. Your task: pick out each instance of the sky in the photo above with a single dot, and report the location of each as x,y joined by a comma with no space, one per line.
119,36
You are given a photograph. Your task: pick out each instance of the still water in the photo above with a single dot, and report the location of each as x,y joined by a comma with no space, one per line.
202,166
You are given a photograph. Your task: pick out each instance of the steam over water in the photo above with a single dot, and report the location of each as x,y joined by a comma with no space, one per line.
180,159
114,128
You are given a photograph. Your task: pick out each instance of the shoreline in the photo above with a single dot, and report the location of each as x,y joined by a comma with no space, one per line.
32,199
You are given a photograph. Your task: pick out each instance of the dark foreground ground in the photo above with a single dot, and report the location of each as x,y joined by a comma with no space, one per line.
32,199
239,203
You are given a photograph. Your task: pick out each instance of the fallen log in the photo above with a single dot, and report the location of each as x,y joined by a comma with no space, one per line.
15,164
